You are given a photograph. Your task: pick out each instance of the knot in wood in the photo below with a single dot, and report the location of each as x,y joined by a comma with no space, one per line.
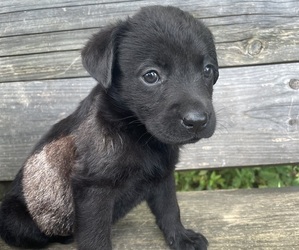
255,47
293,122
294,84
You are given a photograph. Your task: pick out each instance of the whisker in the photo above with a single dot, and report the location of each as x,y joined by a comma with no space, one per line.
134,121
142,136
148,140
122,119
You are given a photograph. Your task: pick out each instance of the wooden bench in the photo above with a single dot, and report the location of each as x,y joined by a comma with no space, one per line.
256,98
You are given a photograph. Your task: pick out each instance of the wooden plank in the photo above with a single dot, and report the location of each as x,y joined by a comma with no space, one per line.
46,16
63,18
45,42
227,218
234,48
42,66
28,110
258,118
251,33
9,6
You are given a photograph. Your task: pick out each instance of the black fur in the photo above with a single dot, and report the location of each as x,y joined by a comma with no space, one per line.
128,131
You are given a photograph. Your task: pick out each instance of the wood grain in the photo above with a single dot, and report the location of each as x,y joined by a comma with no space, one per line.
42,81
258,118
46,66
34,36
28,110
28,17
259,219
11,6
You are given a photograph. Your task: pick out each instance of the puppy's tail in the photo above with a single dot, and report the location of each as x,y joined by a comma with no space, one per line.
16,226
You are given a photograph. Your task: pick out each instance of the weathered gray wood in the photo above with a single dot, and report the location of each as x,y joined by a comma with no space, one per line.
28,57
45,16
263,219
45,42
258,118
250,33
10,6
28,110
258,108
42,66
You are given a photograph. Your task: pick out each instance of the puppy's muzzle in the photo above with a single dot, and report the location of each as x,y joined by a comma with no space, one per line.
195,121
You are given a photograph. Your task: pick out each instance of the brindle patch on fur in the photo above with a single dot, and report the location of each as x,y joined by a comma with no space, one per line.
46,186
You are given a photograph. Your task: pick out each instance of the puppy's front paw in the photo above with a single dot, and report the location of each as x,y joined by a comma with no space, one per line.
188,240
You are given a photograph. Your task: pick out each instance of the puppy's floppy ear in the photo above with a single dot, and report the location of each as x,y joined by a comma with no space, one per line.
98,55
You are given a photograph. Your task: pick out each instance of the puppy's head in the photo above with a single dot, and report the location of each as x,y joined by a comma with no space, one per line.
164,64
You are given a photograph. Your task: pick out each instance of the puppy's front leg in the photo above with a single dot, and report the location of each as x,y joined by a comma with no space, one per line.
93,216
163,203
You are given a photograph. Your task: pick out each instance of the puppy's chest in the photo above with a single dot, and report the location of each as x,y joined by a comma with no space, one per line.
152,163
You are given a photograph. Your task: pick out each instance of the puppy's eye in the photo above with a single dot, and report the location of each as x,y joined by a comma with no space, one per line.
208,71
151,77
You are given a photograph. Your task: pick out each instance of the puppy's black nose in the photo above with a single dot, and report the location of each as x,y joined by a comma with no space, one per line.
195,121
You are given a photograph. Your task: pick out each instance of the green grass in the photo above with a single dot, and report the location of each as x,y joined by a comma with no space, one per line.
257,177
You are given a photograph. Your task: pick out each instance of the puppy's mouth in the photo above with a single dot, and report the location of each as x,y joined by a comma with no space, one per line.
177,140
179,137
177,133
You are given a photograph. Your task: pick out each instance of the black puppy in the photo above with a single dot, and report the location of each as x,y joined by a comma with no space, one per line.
155,74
